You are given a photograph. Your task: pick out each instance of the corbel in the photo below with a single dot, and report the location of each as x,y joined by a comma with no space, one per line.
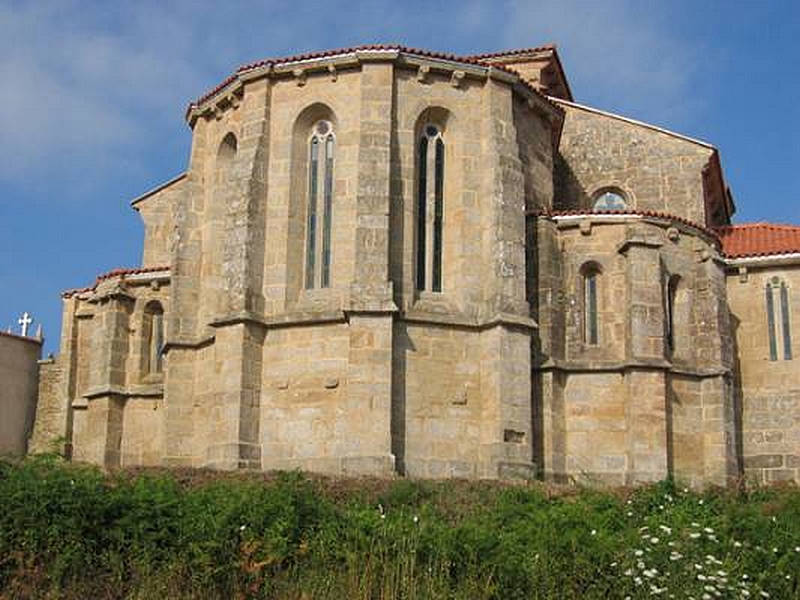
333,72
422,73
673,234
743,274
300,76
456,78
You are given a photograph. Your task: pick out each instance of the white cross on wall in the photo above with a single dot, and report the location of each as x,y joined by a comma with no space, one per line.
24,321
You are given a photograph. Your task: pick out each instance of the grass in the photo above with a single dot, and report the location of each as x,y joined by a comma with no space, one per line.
68,531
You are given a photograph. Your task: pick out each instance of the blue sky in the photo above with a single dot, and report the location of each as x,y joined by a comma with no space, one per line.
93,94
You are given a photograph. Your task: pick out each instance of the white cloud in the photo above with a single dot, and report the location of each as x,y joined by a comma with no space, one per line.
623,56
104,87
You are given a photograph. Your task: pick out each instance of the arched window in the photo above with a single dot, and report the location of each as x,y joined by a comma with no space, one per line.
321,146
778,319
226,150
609,199
591,321
153,339
430,208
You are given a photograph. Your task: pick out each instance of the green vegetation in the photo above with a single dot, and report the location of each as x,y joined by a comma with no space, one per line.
73,532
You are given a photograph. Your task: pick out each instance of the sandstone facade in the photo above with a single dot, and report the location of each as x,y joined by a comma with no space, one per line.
383,260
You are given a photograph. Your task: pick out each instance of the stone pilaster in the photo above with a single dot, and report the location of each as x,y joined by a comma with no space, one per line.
645,332
646,426
370,287
245,221
187,250
180,425
367,438
504,202
234,441
506,448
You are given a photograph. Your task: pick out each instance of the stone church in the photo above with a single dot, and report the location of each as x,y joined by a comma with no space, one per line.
383,260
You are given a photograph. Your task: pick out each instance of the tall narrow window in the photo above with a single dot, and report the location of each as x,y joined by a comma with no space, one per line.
430,209
153,327
670,293
320,206
778,319
591,333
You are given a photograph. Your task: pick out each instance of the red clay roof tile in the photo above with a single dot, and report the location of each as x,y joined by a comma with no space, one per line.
633,213
759,239
474,60
111,274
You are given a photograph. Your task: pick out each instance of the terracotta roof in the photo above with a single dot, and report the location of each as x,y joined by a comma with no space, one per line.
110,275
542,48
631,213
473,60
759,239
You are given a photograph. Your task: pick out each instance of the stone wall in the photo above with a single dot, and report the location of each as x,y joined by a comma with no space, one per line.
656,170
19,377
156,210
652,397
48,431
311,377
769,389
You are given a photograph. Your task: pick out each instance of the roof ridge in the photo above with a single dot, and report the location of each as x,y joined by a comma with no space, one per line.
755,224
514,52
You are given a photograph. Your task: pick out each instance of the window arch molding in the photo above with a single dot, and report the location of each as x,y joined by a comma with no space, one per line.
312,199
590,282
431,193
610,198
